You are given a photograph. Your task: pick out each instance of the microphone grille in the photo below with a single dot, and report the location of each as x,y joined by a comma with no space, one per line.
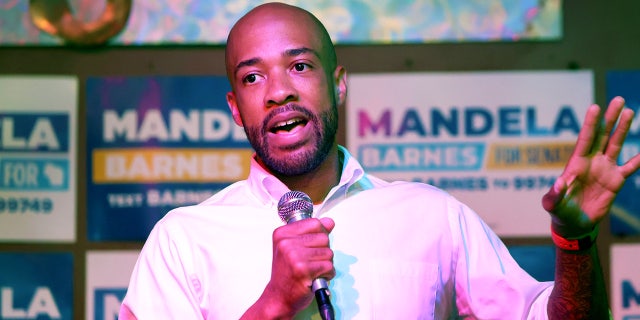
295,205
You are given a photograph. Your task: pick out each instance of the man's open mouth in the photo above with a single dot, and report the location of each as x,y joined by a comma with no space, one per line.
287,126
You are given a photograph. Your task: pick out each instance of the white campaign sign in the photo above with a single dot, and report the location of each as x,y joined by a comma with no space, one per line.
38,121
108,274
625,281
495,140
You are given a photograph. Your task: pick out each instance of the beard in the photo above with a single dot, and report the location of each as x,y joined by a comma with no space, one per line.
325,126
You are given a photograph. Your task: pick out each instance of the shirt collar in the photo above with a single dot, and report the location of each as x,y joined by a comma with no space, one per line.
268,189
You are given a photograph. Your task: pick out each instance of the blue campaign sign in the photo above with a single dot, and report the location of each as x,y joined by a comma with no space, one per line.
28,174
153,144
538,261
625,213
107,303
42,132
36,285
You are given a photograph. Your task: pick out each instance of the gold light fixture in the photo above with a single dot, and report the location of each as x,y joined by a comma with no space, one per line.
56,18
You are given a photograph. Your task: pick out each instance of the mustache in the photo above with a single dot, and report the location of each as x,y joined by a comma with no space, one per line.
286,108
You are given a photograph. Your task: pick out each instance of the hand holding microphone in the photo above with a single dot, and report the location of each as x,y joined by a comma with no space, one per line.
296,206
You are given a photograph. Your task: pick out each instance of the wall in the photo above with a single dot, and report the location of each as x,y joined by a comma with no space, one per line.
598,35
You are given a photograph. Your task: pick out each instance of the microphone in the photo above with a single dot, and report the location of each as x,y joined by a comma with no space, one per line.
295,206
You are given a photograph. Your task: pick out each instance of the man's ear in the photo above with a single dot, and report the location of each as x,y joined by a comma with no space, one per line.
233,106
340,81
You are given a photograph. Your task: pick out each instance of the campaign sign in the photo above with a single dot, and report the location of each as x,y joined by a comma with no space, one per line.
36,286
153,144
625,213
495,140
108,274
537,260
38,158
625,281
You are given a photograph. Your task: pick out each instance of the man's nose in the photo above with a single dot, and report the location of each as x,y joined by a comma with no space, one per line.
280,90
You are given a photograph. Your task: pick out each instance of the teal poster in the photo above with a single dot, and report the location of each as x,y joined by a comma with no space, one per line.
625,213
153,144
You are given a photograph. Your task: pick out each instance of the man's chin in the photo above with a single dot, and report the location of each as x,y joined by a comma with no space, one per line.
290,164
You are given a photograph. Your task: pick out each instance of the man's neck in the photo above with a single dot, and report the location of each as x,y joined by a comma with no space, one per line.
317,183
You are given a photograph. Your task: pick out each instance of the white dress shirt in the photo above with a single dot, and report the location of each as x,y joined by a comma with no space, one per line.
402,250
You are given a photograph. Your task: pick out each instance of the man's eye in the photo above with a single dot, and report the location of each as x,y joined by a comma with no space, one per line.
250,78
300,67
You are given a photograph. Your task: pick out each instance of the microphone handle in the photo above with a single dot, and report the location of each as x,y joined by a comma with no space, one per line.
321,290
295,206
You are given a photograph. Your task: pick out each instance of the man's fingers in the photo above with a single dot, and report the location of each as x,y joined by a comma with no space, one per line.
619,135
631,166
551,199
307,226
589,132
611,115
328,223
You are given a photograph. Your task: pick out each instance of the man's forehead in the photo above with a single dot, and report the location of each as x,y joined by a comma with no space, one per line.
275,28
275,38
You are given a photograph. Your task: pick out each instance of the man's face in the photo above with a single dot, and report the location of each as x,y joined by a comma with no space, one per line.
283,94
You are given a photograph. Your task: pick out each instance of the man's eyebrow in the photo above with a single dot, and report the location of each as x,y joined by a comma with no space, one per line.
299,51
246,63
288,53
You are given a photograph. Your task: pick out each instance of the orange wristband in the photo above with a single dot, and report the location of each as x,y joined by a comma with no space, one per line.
575,244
